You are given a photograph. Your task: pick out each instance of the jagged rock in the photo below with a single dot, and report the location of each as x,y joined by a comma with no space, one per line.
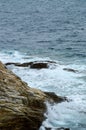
33,65
55,98
21,107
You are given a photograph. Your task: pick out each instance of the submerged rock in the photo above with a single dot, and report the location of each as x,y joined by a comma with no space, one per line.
62,128
70,70
57,128
21,107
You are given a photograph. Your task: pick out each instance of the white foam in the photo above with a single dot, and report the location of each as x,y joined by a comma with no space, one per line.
52,79
64,115
10,56
15,56
64,83
56,79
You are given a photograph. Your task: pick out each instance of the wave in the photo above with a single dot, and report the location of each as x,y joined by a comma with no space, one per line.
58,78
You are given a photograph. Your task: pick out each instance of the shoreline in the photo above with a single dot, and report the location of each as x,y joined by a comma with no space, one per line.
20,105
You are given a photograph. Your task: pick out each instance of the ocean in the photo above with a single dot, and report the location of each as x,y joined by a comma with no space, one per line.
49,30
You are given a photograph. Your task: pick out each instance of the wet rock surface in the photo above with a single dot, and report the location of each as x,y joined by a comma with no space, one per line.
21,107
55,98
19,64
57,128
62,128
33,65
39,65
70,70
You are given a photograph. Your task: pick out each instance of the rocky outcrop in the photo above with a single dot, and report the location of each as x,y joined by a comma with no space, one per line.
20,64
21,107
33,65
39,65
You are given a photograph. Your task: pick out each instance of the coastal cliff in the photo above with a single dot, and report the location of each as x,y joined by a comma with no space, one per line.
21,107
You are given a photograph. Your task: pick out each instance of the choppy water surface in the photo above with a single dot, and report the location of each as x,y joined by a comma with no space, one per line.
55,79
54,30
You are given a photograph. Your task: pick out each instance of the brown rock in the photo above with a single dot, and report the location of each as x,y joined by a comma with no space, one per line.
21,107
53,97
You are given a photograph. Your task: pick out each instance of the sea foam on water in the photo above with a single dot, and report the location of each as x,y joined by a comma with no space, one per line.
70,114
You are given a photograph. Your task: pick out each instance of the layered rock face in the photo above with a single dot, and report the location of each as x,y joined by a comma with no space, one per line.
21,107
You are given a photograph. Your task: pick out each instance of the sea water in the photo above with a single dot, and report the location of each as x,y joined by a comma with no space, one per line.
48,30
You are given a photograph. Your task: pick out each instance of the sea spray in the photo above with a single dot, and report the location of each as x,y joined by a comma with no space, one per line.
70,114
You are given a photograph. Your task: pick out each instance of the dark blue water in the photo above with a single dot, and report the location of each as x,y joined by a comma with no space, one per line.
49,29
54,28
